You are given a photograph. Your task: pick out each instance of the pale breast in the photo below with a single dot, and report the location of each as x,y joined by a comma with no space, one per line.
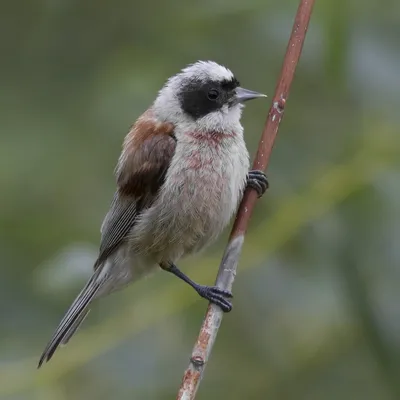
201,192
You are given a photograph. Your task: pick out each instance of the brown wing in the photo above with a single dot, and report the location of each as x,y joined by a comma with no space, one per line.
145,159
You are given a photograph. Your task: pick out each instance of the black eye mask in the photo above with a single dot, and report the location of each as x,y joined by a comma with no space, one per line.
199,98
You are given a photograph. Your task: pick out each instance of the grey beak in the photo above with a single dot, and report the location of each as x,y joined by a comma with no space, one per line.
243,95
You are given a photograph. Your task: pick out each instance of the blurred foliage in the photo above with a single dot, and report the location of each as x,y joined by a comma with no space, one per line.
316,311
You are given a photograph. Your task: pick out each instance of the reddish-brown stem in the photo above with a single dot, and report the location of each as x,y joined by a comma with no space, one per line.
227,270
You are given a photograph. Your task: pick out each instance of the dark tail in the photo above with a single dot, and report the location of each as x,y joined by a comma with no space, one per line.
72,319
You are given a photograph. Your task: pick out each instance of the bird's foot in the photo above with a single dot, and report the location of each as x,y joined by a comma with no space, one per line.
211,293
215,295
258,181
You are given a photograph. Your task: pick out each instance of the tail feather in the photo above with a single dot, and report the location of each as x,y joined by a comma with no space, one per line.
72,319
76,325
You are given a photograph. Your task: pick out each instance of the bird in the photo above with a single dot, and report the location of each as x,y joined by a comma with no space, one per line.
181,174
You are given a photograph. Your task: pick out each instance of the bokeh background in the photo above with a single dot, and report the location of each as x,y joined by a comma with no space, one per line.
317,300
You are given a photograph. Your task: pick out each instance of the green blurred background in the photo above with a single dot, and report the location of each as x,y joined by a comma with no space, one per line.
316,309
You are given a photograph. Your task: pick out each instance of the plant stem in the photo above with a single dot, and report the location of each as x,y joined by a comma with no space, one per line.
227,269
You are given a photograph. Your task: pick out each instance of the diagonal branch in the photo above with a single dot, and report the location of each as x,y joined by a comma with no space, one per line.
227,269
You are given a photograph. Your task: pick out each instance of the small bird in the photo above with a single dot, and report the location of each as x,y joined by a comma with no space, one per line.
182,171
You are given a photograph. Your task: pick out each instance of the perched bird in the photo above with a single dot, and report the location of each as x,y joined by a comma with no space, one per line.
183,169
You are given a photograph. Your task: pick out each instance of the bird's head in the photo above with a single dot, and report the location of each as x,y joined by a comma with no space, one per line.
204,96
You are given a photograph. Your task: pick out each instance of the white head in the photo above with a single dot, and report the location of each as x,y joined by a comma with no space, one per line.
203,97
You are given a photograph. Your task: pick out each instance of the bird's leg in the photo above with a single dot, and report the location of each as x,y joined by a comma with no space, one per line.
258,181
211,293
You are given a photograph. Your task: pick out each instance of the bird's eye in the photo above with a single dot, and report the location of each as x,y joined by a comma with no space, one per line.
213,94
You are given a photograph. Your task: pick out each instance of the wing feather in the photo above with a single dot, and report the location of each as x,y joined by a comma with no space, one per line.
144,162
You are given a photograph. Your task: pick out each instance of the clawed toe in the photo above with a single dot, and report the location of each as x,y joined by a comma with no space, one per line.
258,181
217,296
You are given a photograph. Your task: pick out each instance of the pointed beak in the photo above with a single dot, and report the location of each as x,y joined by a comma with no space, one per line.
243,95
